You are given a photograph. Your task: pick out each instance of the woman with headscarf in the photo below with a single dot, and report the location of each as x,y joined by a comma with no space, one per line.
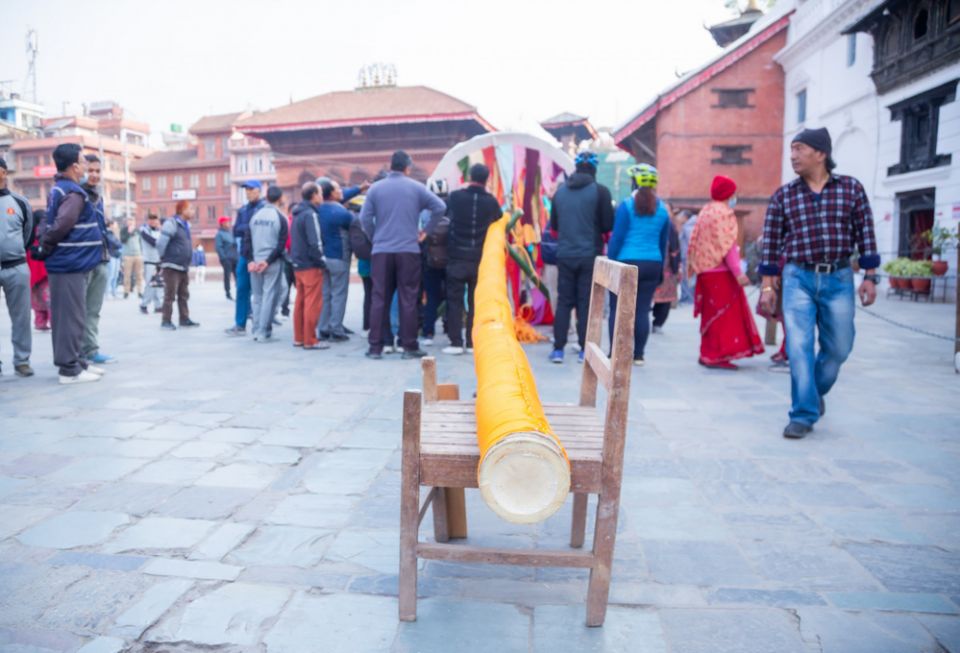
641,231
727,329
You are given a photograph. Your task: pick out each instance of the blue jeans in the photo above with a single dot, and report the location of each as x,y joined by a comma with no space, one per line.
243,293
824,302
649,276
433,285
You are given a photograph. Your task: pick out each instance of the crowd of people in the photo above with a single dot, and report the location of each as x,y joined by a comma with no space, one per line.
418,249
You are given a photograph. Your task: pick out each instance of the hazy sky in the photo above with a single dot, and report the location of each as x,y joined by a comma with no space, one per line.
519,62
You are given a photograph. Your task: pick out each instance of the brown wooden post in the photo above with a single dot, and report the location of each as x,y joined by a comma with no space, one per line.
456,513
578,530
409,505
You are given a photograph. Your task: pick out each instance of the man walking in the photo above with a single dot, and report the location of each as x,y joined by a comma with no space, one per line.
149,233
72,246
472,210
581,213
306,255
390,216
241,227
132,258
16,232
815,223
99,278
226,248
263,245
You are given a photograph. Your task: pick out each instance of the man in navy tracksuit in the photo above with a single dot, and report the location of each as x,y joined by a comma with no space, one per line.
241,227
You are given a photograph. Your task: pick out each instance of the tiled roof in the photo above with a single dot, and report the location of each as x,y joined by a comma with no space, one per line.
563,118
376,105
176,159
219,123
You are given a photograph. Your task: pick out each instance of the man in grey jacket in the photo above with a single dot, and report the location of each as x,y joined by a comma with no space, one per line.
391,217
263,247
149,233
16,227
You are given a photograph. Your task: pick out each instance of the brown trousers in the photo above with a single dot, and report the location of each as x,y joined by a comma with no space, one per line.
309,303
175,286
132,267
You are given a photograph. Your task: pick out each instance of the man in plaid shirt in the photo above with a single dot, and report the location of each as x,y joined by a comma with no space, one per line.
813,226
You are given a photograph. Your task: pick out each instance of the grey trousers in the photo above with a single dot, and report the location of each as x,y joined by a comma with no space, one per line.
266,290
97,279
15,283
68,293
150,294
336,283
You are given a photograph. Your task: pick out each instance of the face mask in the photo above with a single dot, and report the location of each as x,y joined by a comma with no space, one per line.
84,179
732,202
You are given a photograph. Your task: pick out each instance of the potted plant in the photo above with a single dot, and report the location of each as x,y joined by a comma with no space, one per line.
897,271
942,239
920,273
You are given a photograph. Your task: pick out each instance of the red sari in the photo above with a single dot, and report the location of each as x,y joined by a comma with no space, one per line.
727,329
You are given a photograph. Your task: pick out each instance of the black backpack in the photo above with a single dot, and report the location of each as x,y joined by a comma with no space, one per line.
359,240
436,244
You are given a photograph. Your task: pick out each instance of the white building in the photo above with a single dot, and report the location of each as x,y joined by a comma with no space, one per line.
890,108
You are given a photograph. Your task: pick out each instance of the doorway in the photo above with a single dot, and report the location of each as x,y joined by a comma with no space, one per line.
915,209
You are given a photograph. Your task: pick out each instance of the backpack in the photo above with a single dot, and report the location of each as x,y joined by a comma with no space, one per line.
360,243
435,244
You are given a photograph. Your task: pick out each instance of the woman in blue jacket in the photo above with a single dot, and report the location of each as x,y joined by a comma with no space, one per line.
641,228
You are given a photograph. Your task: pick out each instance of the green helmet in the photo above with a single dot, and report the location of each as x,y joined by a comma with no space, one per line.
643,175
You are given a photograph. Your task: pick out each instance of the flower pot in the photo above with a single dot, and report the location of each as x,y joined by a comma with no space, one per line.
899,284
920,285
940,268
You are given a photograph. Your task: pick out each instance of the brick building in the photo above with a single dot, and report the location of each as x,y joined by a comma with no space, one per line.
349,135
724,118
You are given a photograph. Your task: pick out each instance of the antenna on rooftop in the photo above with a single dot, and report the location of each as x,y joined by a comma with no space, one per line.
30,83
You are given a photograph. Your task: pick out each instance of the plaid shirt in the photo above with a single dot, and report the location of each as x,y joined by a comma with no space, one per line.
802,227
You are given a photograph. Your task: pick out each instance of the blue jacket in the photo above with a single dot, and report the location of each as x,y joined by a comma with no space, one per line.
334,223
639,238
199,258
81,248
242,224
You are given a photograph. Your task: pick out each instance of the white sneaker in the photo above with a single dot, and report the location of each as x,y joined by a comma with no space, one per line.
469,350
93,369
388,350
83,377
453,351
426,342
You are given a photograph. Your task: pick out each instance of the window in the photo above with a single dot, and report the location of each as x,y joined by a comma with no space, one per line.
733,98
210,148
118,193
242,165
802,106
259,162
953,11
919,117
212,214
851,49
29,161
211,180
194,180
732,155
177,181
226,179
920,24
225,145
162,183
31,191
145,183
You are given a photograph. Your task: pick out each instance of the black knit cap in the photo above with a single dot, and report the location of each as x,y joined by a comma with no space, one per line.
818,139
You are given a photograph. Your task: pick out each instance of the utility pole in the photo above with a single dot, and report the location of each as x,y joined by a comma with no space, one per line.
32,47
126,174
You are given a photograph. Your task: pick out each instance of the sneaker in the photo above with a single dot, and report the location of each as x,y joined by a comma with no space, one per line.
638,361
339,337
144,310
83,377
93,369
656,329
469,350
264,339
189,323
298,344
796,430
23,369
413,353
375,355
229,297
556,356
426,342
319,345
453,351
580,356
389,349
276,322
235,331
323,335
169,326
347,331
101,359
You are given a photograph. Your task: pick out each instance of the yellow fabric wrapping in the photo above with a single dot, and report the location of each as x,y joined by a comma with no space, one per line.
507,398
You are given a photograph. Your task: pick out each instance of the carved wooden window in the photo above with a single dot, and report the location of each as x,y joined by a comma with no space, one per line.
921,24
919,117
733,98
732,155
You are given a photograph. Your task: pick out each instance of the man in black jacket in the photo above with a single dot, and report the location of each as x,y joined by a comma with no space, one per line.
581,213
306,254
471,211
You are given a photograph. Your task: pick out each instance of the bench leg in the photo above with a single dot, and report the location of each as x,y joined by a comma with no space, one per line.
578,529
409,506
604,539
456,513
441,530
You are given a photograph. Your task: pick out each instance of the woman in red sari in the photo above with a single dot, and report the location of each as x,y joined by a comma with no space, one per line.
727,329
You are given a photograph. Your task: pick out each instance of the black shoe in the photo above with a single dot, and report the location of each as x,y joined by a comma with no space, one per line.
347,331
169,326
143,309
158,310
189,323
285,312
339,338
235,331
375,355
324,335
229,297
413,353
796,430
823,407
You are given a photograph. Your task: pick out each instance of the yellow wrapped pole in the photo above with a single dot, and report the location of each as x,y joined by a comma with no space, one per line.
524,472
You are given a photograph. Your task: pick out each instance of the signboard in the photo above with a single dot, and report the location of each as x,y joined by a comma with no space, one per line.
186,194
44,171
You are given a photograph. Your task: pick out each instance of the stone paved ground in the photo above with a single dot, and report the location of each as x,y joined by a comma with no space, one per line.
215,494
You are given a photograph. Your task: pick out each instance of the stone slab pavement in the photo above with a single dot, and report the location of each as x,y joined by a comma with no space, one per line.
215,494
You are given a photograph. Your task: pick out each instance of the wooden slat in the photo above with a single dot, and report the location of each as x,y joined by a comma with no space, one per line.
429,367
607,274
409,506
461,471
596,359
448,392
426,505
531,558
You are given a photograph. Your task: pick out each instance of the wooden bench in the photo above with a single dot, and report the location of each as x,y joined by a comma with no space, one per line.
440,451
